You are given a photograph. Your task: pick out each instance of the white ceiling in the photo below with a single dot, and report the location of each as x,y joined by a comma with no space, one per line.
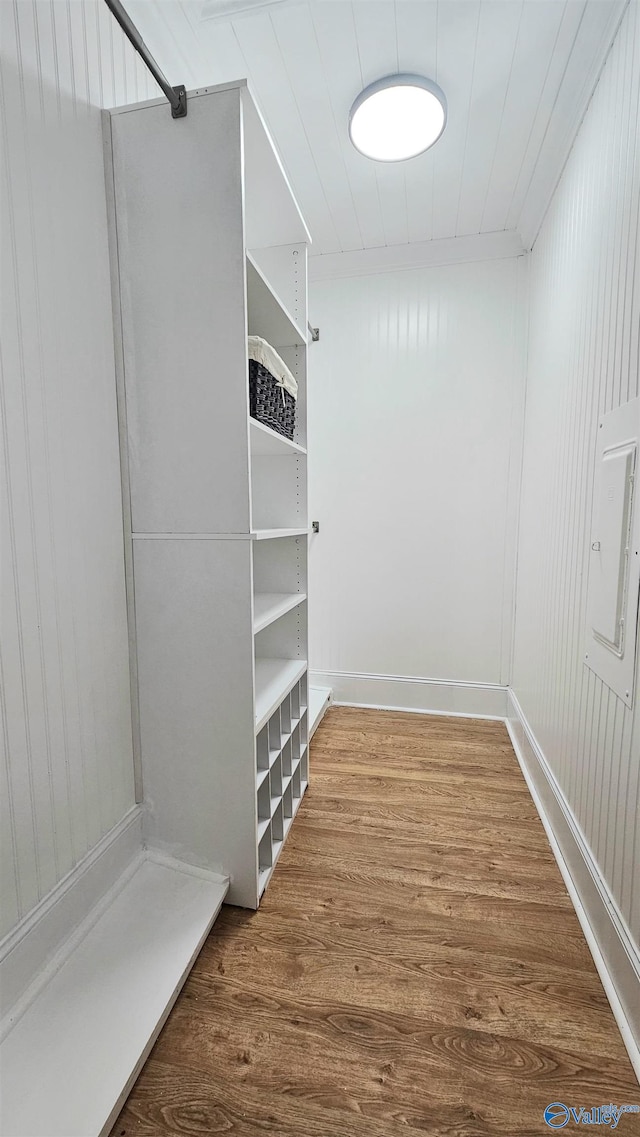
517,75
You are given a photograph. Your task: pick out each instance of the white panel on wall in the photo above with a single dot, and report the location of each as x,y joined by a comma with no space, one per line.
583,362
65,681
415,405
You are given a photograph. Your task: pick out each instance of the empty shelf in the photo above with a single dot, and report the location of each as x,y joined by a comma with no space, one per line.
274,680
268,316
264,440
270,534
269,606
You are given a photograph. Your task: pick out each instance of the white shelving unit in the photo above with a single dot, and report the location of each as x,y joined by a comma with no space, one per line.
210,247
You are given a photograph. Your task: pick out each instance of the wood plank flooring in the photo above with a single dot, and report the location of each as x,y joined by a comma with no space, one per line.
416,965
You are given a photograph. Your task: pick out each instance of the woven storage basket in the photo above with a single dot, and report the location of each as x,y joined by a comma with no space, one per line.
269,403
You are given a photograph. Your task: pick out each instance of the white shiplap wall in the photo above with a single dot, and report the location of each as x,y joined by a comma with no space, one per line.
67,770
583,362
415,401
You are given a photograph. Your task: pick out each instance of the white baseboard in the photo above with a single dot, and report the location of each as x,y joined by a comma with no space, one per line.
319,701
408,693
615,955
29,949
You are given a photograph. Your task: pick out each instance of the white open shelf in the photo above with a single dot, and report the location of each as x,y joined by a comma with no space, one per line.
274,680
264,440
71,1059
269,606
268,317
270,534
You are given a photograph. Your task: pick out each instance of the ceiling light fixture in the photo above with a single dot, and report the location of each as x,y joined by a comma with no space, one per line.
397,118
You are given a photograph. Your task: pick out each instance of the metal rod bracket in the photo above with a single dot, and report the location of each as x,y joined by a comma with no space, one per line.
181,110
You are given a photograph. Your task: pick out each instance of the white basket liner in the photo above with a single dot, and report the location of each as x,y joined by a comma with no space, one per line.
262,352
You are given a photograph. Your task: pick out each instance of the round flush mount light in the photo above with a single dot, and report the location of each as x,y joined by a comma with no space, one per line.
397,118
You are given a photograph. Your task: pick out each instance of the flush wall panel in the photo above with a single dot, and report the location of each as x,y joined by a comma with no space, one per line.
67,762
415,402
583,363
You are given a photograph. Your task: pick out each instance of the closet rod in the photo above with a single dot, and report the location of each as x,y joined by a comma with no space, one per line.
177,96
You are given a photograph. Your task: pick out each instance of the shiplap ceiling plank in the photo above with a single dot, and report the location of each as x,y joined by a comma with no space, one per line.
517,75
457,43
417,32
497,38
338,46
375,22
303,65
536,43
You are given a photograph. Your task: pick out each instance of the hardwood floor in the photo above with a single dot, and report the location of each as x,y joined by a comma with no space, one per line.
416,964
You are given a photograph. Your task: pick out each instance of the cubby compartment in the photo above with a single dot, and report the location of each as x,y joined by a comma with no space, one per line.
277,827
275,782
274,736
285,716
264,807
286,759
304,768
263,749
295,703
264,850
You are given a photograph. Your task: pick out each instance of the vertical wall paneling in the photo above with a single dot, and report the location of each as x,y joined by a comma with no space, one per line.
415,394
583,362
67,771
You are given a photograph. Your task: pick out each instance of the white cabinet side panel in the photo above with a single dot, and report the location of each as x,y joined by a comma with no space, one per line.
182,280
195,674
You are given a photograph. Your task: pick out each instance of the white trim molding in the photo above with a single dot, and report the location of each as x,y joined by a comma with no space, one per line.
615,955
47,932
419,254
410,693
